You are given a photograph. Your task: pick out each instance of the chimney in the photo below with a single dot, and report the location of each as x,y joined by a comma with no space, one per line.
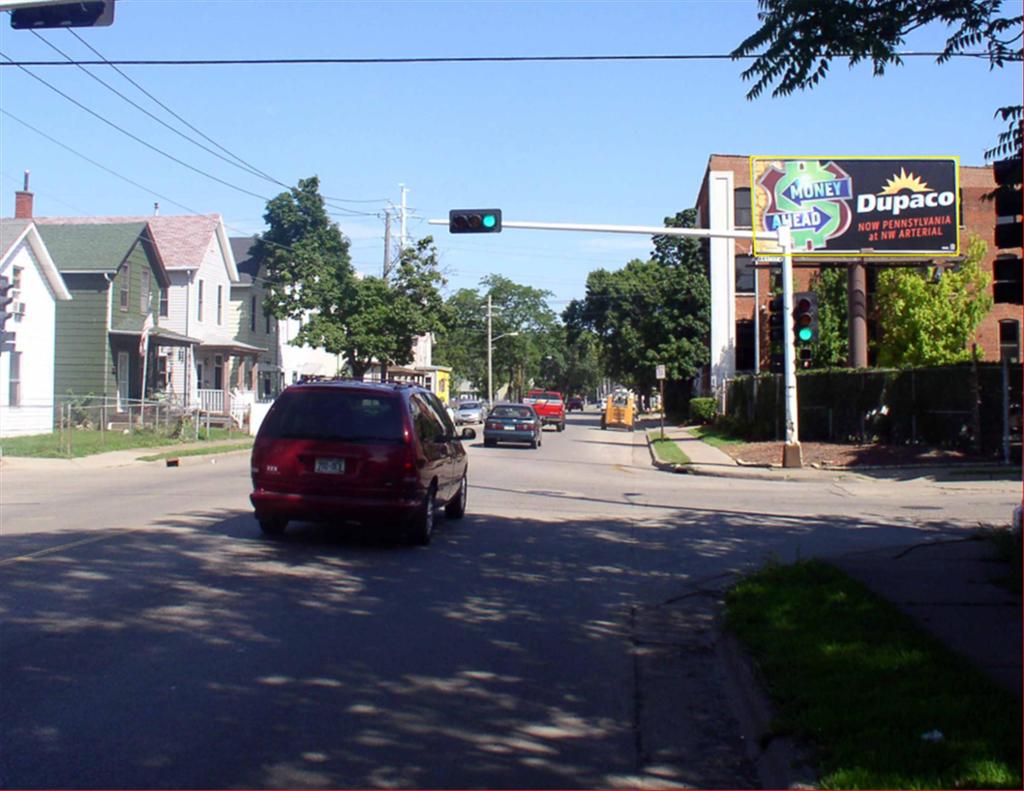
156,209
23,202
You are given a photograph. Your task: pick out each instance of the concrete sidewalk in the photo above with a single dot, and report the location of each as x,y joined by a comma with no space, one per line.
121,458
957,590
706,459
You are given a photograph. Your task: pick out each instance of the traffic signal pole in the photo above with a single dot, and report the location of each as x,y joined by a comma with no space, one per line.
791,455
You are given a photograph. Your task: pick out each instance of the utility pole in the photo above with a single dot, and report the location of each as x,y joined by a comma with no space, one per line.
387,243
402,240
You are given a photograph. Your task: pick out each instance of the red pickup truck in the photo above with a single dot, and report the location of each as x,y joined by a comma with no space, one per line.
549,405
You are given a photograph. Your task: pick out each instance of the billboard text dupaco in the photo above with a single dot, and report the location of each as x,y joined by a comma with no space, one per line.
860,206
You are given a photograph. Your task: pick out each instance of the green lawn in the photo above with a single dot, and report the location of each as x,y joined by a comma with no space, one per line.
667,450
716,437
857,681
177,454
86,442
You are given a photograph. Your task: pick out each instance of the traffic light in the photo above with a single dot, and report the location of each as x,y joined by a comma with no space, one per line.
1007,174
93,13
805,317
6,298
776,317
805,325
474,221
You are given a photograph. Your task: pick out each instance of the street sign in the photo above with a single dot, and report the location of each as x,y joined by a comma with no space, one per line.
659,372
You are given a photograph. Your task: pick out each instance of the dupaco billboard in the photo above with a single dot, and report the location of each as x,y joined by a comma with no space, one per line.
860,206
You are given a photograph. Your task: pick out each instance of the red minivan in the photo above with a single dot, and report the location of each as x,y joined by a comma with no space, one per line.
342,450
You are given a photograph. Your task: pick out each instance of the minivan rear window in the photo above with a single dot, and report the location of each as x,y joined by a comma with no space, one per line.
334,415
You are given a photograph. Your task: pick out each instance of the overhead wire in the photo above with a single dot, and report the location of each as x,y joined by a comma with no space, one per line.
457,59
240,163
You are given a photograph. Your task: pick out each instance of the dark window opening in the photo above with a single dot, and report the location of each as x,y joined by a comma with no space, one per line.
746,275
1007,284
741,207
1009,340
745,347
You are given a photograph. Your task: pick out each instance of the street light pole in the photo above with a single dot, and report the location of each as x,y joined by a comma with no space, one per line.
490,389
490,347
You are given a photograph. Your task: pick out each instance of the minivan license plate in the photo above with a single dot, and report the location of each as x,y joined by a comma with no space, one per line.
333,466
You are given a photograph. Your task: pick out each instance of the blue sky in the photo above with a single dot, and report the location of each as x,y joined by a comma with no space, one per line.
591,142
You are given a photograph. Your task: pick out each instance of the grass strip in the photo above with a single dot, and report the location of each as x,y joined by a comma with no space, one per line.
667,450
86,442
856,680
716,437
177,454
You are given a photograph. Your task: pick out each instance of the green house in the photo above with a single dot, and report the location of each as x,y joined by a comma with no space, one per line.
116,277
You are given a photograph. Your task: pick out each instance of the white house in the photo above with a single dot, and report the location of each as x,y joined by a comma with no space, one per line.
27,362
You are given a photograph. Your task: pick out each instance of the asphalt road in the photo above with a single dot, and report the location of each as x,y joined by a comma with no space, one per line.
560,635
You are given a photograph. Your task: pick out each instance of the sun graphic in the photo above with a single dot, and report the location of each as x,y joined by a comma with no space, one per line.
904,181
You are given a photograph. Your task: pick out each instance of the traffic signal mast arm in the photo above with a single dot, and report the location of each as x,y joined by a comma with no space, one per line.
791,455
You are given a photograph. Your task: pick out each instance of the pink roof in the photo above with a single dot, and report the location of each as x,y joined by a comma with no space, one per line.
182,240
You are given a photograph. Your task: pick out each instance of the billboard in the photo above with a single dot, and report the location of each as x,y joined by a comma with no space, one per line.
857,206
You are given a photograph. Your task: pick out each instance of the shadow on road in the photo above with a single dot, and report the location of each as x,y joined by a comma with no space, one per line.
198,654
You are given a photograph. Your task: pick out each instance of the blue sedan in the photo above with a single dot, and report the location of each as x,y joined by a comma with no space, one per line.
512,423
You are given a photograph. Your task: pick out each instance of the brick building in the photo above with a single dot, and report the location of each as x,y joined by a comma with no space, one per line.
740,293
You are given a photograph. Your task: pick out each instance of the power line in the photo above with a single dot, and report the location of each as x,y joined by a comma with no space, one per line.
446,59
167,109
136,138
244,167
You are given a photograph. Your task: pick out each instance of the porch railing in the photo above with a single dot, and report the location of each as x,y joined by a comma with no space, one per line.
212,401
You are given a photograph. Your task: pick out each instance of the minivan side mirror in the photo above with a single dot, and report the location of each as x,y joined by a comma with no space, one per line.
468,433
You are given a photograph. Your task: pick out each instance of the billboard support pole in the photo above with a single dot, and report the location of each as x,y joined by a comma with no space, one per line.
857,310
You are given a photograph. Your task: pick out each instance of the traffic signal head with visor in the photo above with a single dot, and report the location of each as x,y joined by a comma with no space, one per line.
6,298
474,221
805,317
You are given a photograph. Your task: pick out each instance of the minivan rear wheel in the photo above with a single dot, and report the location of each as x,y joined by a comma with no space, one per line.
273,526
422,528
457,507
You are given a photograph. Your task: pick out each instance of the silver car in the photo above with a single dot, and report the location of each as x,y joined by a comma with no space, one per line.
469,412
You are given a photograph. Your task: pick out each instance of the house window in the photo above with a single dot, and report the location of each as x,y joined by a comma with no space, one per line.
199,313
741,207
252,314
220,303
14,379
163,379
745,274
16,279
745,345
164,303
145,298
1007,285
266,319
1009,340
126,284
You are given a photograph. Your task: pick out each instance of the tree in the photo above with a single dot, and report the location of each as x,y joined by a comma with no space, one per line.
517,359
650,312
310,277
832,345
929,318
307,258
798,39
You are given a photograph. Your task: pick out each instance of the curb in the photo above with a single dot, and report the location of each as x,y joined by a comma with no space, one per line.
779,760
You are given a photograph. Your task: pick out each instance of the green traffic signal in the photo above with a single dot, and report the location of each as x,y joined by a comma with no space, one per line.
806,334
474,221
